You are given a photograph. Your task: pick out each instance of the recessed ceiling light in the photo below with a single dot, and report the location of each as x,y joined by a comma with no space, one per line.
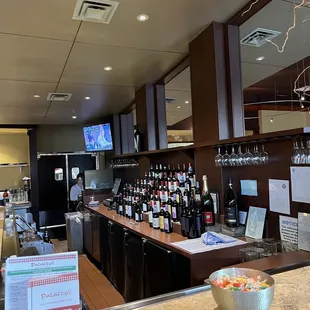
36,96
142,18
87,98
260,58
74,117
186,101
178,107
108,68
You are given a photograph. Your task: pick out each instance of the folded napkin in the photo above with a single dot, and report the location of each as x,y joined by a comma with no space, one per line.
212,238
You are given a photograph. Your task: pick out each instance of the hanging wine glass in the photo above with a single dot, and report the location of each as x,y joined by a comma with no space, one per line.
248,157
295,154
218,158
225,160
233,157
240,156
256,156
308,151
264,156
303,153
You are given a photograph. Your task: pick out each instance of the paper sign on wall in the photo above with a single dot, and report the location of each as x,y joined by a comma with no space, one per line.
288,229
22,271
255,223
279,196
300,179
304,231
248,187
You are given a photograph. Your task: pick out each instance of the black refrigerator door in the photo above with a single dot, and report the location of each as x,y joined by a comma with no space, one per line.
134,265
96,237
105,247
52,189
79,163
159,270
118,261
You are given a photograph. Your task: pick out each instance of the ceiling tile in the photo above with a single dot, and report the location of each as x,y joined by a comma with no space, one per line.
131,67
172,24
103,100
32,59
22,115
20,94
46,19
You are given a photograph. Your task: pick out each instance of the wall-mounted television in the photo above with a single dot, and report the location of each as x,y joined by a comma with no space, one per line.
98,138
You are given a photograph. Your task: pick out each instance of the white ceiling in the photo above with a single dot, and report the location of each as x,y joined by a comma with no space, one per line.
297,48
43,50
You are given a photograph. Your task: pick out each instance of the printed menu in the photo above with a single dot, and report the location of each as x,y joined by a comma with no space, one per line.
42,282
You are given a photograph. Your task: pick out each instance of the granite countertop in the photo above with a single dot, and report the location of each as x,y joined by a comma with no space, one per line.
291,293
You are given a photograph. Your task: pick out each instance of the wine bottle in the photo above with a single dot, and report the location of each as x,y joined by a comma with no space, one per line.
161,219
167,223
150,215
197,192
144,203
191,231
174,209
121,206
207,204
231,206
183,221
138,212
198,219
155,220
169,204
191,174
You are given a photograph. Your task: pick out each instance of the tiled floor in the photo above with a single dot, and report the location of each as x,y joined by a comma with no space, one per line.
95,288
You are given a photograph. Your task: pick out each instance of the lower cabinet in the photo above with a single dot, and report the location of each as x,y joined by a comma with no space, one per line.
106,263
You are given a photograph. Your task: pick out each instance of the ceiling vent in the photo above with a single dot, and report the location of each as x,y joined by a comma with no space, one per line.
98,11
169,100
259,37
59,96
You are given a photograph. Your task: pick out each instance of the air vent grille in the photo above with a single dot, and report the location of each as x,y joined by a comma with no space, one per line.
169,100
99,11
259,37
59,96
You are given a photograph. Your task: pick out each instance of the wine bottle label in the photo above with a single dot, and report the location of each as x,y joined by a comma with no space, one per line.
177,198
161,222
174,212
171,186
185,198
144,207
207,217
169,209
129,212
197,197
120,208
137,217
187,186
192,181
166,225
156,222
198,223
150,216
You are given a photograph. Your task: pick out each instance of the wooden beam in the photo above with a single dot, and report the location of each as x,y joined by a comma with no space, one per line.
161,117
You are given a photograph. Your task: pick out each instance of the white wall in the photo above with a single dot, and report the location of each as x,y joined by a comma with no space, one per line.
60,138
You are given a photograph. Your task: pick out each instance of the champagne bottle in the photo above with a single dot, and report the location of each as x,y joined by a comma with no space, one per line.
231,206
207,205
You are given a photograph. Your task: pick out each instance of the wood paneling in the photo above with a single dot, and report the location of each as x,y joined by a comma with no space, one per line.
161,117
117,134
127,133
208,85
145,106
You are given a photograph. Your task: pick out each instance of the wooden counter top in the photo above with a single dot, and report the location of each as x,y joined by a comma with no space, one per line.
290,293
143,229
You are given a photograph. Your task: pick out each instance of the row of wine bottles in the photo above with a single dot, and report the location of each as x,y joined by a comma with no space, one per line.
166,199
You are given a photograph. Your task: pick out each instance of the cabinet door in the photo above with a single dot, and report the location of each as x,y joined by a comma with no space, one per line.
96,237
87,233
158,270
118,261
134,265
105,247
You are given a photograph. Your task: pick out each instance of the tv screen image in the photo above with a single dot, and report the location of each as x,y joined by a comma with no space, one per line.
98,138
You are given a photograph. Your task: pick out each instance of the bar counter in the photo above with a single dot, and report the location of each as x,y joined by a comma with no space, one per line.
201,265
290,293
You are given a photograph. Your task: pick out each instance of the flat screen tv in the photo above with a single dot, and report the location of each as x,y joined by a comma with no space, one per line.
98,138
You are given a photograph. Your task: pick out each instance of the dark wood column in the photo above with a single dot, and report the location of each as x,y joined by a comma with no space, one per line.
127,133
161,118
145,107
235,102
117,134
208,85
32,134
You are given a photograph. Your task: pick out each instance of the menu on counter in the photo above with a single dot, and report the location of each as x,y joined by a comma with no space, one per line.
304,231
22,274
288,229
